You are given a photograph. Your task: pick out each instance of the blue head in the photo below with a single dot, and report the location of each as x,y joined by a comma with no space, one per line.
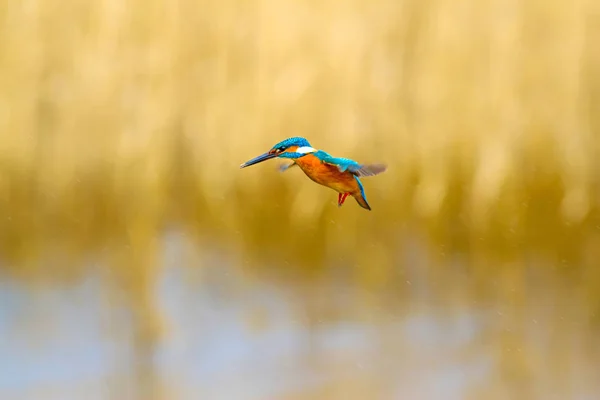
286,148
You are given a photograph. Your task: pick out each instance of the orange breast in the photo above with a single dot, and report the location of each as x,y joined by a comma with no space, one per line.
327,174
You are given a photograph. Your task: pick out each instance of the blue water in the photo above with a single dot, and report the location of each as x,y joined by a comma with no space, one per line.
71,343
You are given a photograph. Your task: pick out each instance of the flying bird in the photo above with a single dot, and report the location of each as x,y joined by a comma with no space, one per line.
339,174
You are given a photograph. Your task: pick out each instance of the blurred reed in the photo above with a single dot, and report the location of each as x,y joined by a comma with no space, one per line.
121,118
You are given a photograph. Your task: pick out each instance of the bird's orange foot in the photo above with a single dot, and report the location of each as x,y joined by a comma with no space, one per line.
342,198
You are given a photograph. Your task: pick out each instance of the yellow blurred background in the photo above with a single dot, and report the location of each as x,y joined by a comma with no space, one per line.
132,247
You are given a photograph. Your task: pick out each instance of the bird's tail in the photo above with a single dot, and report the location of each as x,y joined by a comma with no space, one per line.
360,196
370,170
361,200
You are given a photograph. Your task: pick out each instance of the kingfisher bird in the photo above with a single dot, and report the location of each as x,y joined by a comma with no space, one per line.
339,174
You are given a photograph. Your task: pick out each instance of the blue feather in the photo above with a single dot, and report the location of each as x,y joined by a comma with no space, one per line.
293,141
362,189
346,164
291,155
342,163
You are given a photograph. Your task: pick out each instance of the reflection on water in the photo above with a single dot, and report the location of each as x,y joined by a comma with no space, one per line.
228,335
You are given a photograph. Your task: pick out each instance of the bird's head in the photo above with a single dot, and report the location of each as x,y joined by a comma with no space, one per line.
289,148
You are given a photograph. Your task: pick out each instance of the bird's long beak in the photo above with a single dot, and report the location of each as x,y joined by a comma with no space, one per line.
256,160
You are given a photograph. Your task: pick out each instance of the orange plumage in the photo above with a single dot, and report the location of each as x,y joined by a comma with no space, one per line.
330,176
339,174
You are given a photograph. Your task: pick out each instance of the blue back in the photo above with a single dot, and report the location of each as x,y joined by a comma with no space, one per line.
342,163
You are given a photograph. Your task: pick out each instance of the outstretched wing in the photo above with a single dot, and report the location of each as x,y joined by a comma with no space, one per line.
345,164
368,169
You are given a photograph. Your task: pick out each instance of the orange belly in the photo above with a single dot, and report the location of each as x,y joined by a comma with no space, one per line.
327,175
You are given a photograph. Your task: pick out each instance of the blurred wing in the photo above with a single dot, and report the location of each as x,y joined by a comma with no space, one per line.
367,169
285,167
345,164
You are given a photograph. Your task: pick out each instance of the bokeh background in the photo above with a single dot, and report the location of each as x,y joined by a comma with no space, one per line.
137,261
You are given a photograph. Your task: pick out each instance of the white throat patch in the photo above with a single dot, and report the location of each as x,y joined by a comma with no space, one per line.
305,150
